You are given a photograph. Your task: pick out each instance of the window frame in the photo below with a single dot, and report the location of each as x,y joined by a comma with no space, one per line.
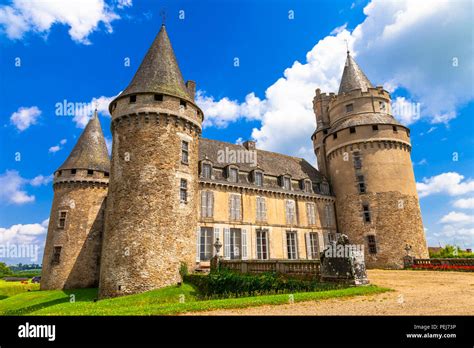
60,218
372,244
291,254
262,254
56,257
311,213
185,152
208,243
290,212
366,213
349,108
183,191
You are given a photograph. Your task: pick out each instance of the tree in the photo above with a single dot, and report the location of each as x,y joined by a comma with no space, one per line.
4,269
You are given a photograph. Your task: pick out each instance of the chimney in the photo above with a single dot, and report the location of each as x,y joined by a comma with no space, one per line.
249,145
191,87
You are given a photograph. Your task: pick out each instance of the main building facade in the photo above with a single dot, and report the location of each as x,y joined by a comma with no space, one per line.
128,224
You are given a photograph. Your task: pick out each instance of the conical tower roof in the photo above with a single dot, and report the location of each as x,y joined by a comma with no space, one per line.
90,151
353,77
159,71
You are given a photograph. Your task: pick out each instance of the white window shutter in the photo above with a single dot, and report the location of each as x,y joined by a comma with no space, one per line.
198,244
285,251
308,246
226,244
244,244
203,203
238,204
210,204
216,235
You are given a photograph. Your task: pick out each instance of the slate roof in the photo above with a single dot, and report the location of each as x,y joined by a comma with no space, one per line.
271,163
353,77
90,151
159,71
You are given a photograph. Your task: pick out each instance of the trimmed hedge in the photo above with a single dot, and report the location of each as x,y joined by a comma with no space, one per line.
225,284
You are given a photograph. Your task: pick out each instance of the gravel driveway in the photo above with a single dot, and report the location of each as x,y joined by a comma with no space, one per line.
416,293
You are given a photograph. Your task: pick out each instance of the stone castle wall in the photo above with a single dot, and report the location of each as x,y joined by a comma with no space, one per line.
149,233
81,239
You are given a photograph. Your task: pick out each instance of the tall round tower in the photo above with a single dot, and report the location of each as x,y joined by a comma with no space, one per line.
365,153
73,244
151,215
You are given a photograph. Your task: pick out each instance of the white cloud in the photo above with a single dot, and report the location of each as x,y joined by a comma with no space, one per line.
83,114
25,117
450,183
457,218
23,233
12,188
464,203
54,148
41,180
408,44
81,16
457,228
224,111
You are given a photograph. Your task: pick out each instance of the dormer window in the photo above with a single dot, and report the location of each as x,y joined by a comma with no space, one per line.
90,172
258,178
232,174
307,186
133,99
106,174
59,173
73,171
375,127
285,182
352,130
395,129
182,103
349,107
206,170
158,97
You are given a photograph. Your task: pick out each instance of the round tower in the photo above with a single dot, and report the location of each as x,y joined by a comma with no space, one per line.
366,154
151,215
73,243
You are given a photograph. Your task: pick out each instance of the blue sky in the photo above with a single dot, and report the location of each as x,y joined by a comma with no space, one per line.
53,51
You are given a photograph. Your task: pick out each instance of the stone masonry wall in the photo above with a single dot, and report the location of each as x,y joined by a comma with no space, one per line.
80,239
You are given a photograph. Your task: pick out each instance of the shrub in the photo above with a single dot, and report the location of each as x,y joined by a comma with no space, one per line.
225,283
183,270
451,251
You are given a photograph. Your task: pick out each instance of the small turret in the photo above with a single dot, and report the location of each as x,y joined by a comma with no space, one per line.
73,244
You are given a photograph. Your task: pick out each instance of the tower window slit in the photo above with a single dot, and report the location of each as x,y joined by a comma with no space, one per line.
372,244
366,213
185,152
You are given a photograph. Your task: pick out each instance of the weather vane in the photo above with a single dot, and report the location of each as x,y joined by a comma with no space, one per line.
163,15
347,45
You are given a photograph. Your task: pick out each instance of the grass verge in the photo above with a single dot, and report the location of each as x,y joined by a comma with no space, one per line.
164,301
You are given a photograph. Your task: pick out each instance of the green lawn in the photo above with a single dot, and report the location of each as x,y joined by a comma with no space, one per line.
8,289
164,301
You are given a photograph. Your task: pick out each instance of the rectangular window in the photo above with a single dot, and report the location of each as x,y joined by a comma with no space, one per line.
158,97
235,243
182,103
206,170
205,253
328,215
185,152
361,183
382,106
62,219
290,212
291,245
262,244
286,183
357,160
375,127
90,172
349,107
234,202
314,245
307,186
106,174
352,130
233,174
73,171
261,209
133,99
395,129
183,191
366,212
207,204
334,136
56,255
311,211
372,244
259,178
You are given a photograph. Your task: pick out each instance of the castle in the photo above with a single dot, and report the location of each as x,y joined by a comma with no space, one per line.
128,224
